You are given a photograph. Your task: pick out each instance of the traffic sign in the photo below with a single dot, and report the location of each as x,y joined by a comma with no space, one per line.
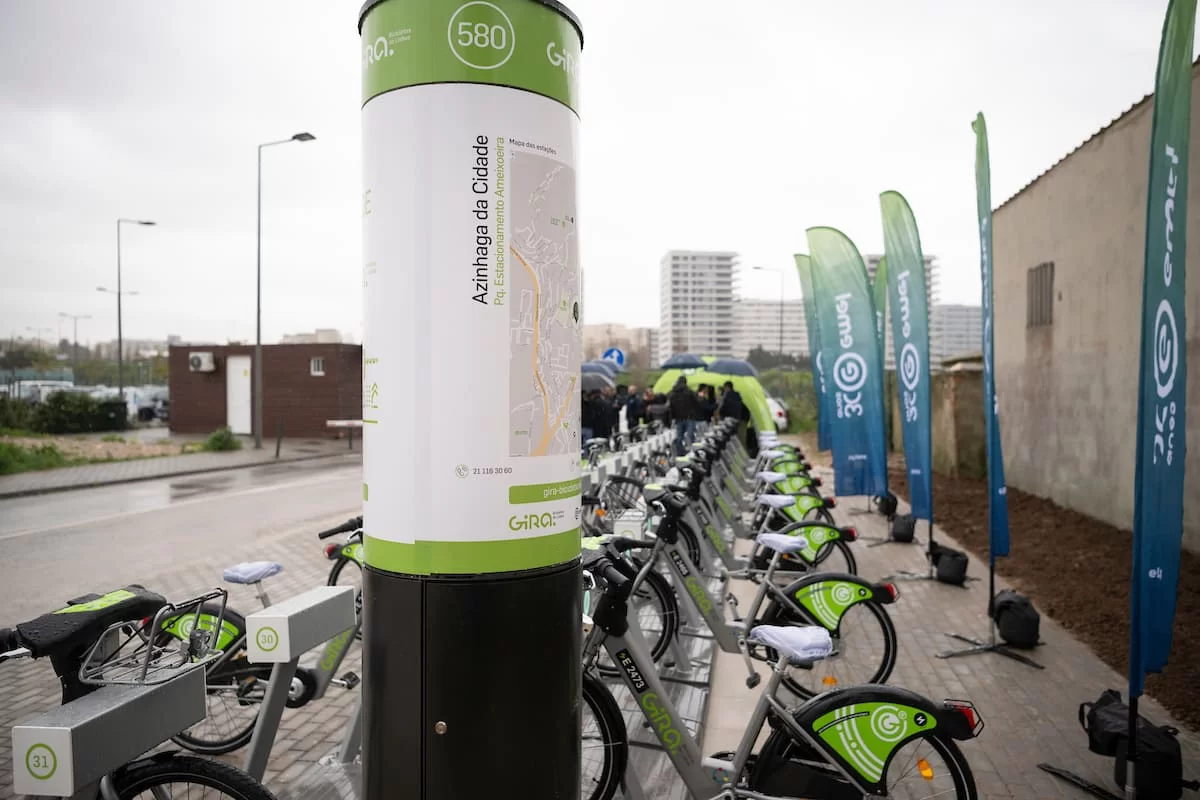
615,355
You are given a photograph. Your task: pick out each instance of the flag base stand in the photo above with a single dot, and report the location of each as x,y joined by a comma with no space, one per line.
987,647
1091,788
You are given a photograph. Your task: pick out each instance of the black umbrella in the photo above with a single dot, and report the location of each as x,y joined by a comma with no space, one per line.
590,367
592,381
733,366
684,361
608,367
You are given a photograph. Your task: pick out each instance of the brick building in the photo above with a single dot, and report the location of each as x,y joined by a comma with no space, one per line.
303,385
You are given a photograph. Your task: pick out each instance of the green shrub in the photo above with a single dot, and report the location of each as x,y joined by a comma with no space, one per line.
221,440
15,413
75,412
113,437
15,458
65,412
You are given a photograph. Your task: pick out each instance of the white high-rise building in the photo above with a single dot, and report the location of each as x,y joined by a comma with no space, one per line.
696,301
757,325
955,331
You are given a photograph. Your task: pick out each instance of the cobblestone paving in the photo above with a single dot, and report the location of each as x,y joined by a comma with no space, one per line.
1030,715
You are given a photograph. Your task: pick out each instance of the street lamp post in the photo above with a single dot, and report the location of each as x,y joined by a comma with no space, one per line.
38,333
781,276
74,334
258,365
118,293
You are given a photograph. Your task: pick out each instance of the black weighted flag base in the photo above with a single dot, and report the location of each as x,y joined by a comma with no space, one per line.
991,646
1070,777
987,647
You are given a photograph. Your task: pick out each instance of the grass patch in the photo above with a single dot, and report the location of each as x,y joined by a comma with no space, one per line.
22,433
113,437
16,458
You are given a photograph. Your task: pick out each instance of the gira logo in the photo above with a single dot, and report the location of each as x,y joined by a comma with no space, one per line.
530,521
668,733
703,602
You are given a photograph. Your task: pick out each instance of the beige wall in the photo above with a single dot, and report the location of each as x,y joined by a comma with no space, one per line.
1068,391
956,424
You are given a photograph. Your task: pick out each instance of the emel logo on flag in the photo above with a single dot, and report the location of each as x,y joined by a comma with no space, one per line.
615,355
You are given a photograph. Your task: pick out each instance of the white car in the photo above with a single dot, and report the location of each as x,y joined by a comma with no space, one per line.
779,413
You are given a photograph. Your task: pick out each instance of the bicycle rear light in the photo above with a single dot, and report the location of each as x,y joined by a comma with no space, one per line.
851,534
893,591
331,550
817,482
831,502
969,712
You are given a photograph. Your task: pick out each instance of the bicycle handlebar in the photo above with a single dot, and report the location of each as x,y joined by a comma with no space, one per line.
348,526
625,543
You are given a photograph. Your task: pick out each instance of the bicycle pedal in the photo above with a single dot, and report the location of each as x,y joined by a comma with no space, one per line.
351,679
753,680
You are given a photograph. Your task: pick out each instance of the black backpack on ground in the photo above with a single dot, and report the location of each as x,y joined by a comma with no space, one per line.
904,528
950,565
1016,619
886,504
1159,773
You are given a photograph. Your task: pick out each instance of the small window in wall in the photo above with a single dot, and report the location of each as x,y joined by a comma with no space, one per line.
316,366
1039,295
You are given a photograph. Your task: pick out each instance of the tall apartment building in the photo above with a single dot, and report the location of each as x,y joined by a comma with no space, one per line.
757,325
696,300
955,331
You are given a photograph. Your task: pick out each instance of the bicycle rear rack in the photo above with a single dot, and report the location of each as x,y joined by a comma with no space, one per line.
144,654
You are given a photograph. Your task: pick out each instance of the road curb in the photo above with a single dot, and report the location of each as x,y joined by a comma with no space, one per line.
182,473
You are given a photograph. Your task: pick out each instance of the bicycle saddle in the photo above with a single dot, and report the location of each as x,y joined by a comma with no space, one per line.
596,442
799,645
776,500
78,626
249,572
782,542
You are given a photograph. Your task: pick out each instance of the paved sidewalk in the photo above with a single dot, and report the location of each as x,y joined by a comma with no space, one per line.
144,469
1030,715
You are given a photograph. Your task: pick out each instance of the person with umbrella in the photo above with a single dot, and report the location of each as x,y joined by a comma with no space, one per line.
684,407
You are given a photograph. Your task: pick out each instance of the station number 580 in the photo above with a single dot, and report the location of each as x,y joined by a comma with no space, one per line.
481,35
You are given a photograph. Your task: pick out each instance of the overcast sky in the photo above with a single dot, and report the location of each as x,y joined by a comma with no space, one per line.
705,125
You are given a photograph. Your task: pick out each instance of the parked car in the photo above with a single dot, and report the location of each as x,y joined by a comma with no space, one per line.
779,412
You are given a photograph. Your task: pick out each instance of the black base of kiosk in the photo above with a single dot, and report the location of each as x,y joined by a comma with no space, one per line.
472,684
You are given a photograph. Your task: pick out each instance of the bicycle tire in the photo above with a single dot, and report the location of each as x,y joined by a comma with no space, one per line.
658,587
335,572
215,746
159,771
613,736
776,614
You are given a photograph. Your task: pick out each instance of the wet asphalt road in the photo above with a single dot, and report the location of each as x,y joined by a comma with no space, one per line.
61,545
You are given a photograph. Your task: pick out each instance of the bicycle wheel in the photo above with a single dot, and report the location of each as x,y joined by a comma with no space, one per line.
605,742
164,777
233,697
864,649
348,572
658,618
